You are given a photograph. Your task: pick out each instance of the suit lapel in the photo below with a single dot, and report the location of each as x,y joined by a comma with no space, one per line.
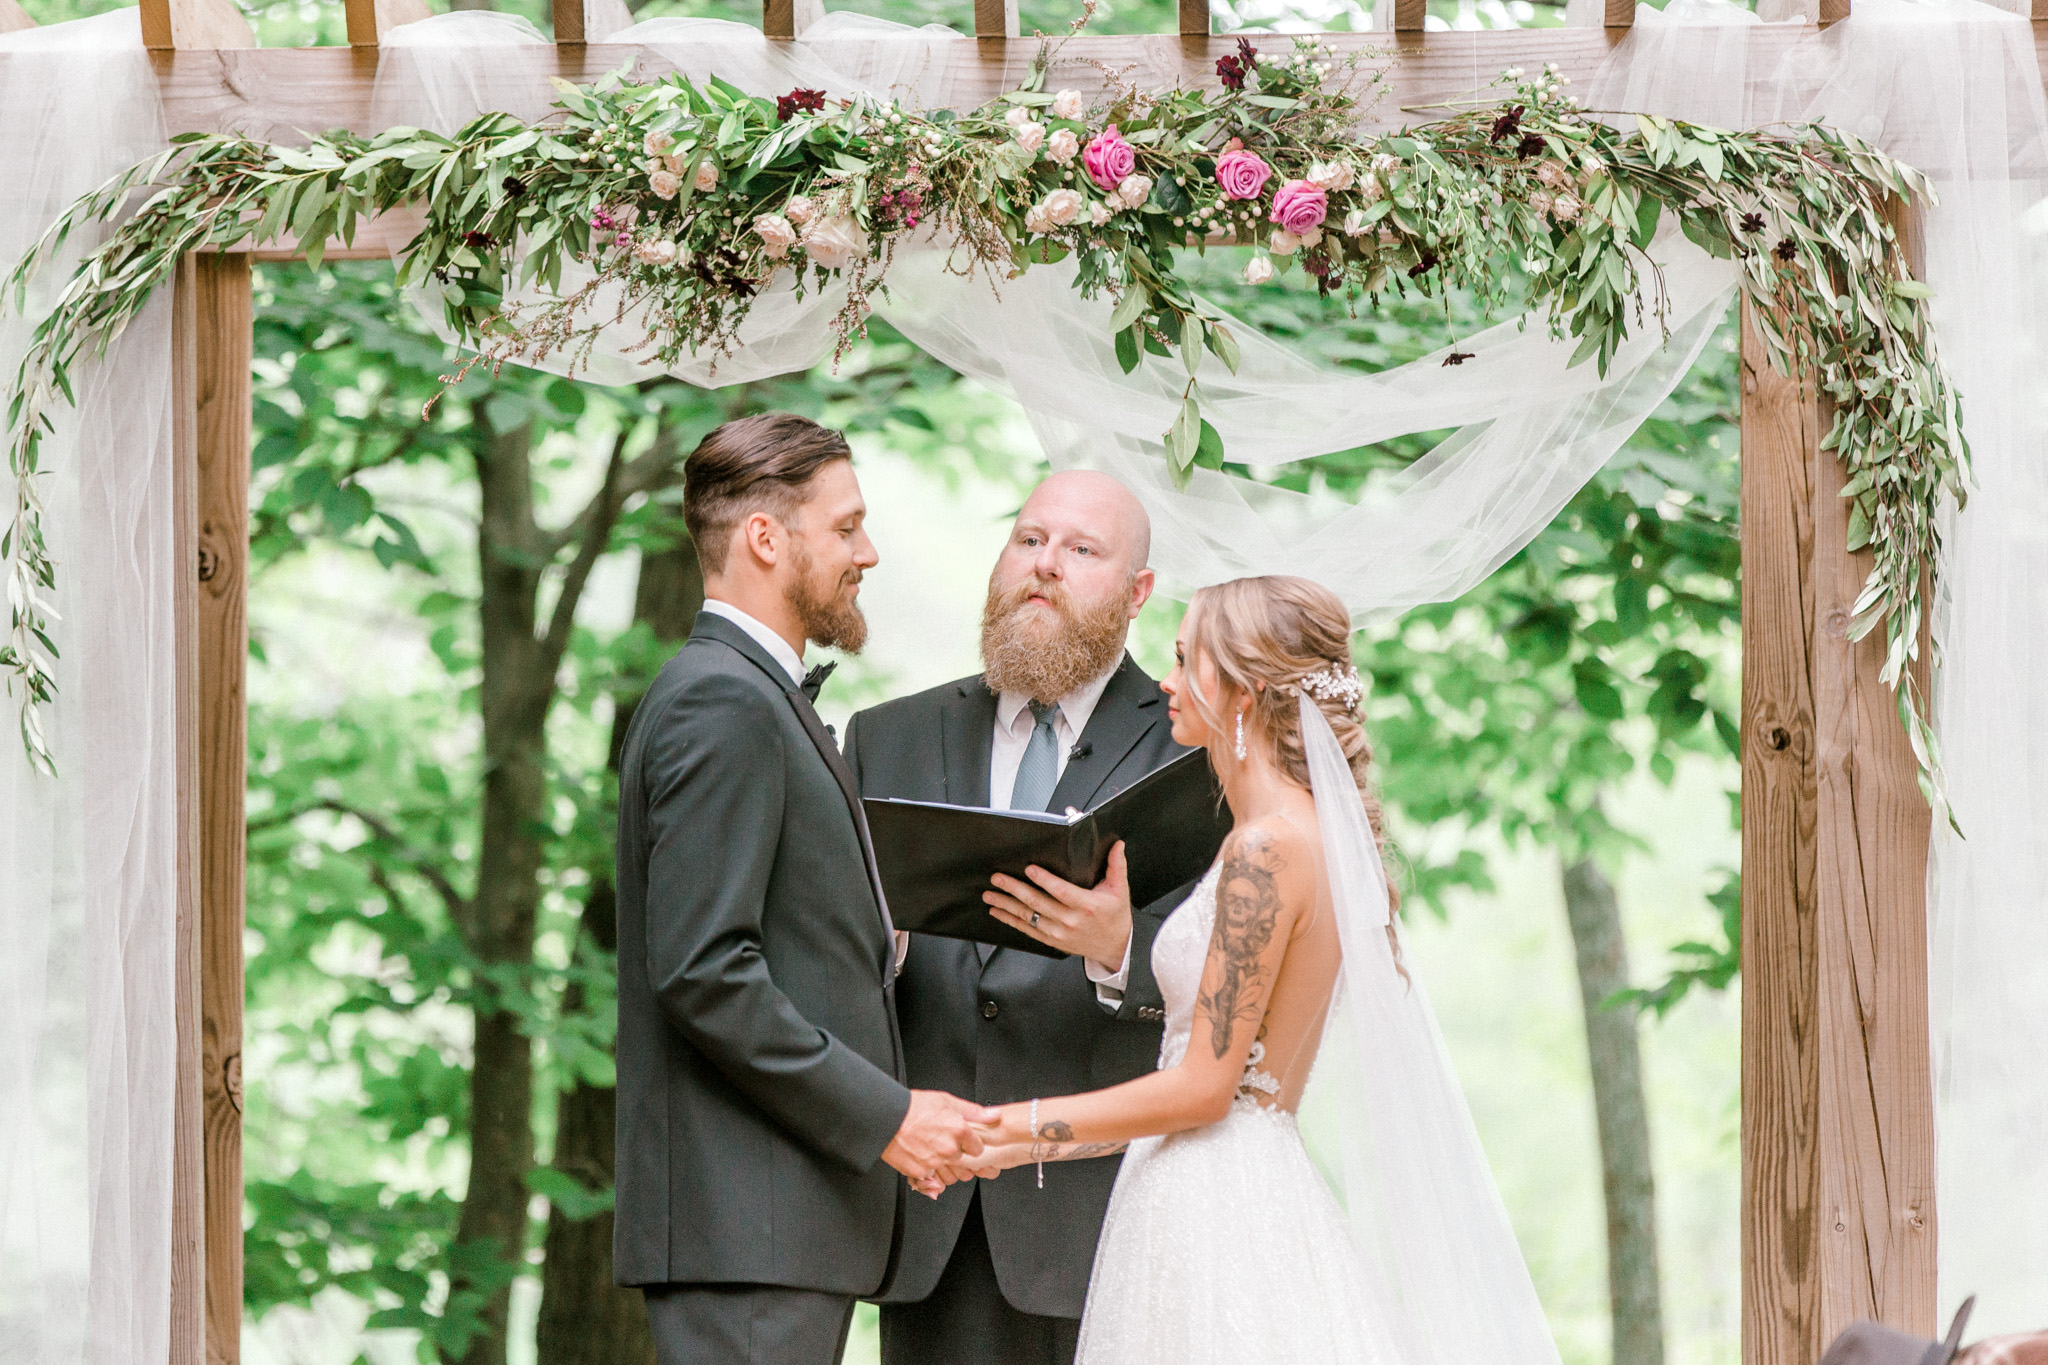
967,728
1129,708
713,626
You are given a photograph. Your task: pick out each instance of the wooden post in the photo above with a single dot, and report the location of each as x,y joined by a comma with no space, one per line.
995,18
1194,18
1837,1102
369,20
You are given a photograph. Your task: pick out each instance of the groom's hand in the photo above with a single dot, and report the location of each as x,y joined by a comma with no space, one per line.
938,1132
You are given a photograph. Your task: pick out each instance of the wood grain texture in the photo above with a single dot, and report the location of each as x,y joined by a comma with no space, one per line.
569,26
1409,15
188,1144
370,20
223,345
778,18
1780,947
1833,11
194,25
1194,18
995,18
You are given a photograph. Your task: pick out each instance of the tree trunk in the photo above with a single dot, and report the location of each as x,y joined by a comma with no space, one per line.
1622,1113
516,690
584,1318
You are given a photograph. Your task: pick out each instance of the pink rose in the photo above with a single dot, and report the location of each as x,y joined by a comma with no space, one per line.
1108,158
1242,174
1298,206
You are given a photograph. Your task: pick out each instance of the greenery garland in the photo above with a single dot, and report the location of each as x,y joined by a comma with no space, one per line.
687,200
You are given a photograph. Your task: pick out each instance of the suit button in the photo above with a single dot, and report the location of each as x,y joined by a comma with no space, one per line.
988,1009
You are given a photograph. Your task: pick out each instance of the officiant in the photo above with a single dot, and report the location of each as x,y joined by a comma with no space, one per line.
995,1272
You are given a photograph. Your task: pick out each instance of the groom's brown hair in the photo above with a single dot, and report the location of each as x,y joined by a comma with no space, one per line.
752,464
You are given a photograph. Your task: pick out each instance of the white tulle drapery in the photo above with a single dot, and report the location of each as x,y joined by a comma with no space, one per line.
1949,85
88,861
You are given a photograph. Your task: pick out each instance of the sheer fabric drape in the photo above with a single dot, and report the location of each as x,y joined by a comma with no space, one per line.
88,862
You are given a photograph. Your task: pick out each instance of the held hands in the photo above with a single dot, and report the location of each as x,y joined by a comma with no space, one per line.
940,1140
1095,924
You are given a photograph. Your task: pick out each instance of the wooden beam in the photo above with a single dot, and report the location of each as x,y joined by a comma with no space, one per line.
1837,1103
221,398
188,1111
778,18
1409,15
1194,18
998,18
370,20
194,24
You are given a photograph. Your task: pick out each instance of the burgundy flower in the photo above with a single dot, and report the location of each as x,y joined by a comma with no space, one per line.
1458,357
798,101
1785,250
1752,222
1530,145
1507,125
1423,265
514,186
477,241
1233,70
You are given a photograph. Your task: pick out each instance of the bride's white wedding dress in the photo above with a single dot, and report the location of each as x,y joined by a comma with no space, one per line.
1223,1244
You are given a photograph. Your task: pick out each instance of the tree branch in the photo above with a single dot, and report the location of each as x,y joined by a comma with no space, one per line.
592,529
416,861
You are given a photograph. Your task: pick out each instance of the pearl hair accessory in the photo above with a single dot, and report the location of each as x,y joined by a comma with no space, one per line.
1332,682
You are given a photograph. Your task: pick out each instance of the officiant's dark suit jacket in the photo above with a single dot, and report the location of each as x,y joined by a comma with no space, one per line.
1000,1024
760,1069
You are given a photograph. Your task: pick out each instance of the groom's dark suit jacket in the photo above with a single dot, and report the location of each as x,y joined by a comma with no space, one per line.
996,1024
760,1070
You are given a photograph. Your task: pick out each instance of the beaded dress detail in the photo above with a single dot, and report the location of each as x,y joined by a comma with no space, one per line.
1223,1244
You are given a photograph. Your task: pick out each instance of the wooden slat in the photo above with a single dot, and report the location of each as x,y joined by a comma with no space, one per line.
1833,11
569,27
1620,13
188,1147
1194,18
1877,1168
221,392
1780,948
370,20
778,18
1409,15
997,18
194,24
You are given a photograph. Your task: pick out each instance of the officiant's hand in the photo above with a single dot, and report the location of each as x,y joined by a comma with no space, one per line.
1094,923
938,1137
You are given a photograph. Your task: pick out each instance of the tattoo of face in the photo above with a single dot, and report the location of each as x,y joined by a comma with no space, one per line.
1247,909
1053,1151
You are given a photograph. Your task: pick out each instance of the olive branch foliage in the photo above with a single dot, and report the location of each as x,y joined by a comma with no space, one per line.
667,206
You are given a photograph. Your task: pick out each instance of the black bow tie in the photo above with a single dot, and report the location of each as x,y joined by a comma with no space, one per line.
814,680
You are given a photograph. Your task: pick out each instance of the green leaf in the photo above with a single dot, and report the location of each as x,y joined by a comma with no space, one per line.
1129,308
1127,354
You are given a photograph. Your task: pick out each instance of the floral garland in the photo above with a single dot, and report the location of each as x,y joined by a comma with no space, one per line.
687,200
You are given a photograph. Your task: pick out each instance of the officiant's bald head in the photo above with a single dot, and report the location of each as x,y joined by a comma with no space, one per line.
1066,587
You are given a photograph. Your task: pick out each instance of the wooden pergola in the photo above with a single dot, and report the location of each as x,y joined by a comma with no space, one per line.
1838,1173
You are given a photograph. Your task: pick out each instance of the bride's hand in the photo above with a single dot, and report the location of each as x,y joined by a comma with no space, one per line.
1095,924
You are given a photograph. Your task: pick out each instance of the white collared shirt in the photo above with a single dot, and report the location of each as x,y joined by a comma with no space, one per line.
777,647
1014,724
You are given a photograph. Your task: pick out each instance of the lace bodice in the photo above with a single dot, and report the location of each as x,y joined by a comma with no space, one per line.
1178,956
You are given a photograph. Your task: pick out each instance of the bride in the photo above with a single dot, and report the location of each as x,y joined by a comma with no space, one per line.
1222,1242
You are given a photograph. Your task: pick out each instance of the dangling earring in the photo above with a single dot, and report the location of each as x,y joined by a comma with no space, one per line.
1240,736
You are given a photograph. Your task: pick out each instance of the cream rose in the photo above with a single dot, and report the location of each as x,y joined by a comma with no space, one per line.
1336,176
1369,188
707,176
1283,242
1132,191
1037,221
1018,114
1063,146
664,184
1098,213
1030,136
833,242
1070,104
776,234
657,144
1258,270
1063,206
1354,223
660,252
799,209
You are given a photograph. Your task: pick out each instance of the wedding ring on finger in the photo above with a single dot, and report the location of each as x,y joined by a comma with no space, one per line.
1034,919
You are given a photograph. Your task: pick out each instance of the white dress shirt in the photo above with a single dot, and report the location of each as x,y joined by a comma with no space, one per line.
1014,724
777,647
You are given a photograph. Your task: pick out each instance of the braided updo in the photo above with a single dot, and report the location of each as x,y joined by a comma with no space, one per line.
1265,636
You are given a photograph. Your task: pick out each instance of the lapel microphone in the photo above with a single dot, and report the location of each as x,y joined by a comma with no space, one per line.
1080,750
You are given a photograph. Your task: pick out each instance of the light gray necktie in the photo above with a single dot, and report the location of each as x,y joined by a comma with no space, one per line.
1039,773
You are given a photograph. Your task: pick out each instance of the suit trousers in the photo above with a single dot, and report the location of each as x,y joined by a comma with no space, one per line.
747,1324
966,1321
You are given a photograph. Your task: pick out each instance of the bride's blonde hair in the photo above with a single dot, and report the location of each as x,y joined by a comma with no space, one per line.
1264,636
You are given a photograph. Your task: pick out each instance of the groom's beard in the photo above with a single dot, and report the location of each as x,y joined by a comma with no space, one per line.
1045,659
827,614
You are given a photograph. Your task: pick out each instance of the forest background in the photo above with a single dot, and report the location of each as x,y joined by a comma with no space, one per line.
451,617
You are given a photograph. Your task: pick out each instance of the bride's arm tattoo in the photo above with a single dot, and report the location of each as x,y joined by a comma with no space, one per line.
1054,1141
1247,909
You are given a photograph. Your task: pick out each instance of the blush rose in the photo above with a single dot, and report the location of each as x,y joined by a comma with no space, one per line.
1108,158
1299,205
1242,174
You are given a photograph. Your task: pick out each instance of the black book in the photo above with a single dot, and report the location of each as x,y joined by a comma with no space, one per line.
936,859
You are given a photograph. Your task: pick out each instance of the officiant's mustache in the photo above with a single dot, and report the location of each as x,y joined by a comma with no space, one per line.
828,613
1048,659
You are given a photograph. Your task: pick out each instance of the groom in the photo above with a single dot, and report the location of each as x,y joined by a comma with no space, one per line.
761,1078
994,1273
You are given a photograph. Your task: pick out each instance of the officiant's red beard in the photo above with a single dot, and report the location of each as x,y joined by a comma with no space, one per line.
825,606
1046,650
